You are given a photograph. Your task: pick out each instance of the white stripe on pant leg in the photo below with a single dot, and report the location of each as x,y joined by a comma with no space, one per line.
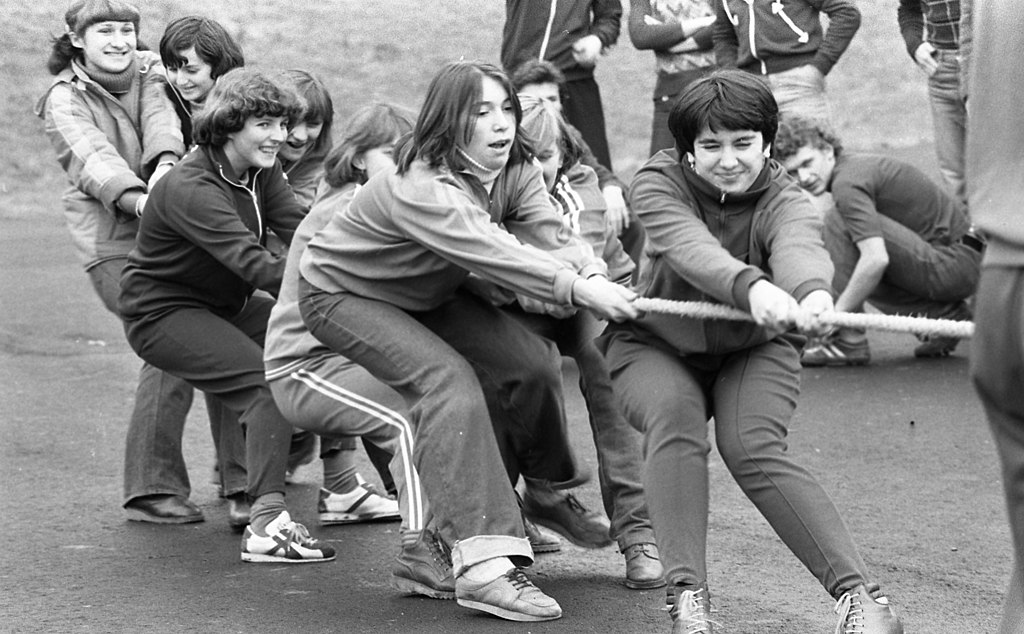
414,491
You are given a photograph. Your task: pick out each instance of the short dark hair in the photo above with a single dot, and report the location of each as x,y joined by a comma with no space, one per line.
213,44
536,71
317,105
238,95
544,126
447,118
727,99
796,131
371,126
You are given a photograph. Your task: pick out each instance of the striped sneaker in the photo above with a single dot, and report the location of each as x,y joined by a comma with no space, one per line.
285,543
835,352
362,504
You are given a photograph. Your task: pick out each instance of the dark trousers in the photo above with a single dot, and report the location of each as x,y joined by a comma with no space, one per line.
581,105
224,357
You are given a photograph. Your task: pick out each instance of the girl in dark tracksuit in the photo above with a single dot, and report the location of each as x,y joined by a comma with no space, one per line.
187,290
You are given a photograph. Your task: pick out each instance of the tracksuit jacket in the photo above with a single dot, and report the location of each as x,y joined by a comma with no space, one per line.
106,150
706,245
201,242
547,29
411,240
771,36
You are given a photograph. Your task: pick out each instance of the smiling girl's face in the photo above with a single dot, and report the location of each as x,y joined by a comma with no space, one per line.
107,46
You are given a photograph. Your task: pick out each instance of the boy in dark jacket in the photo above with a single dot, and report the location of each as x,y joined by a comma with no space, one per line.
725,223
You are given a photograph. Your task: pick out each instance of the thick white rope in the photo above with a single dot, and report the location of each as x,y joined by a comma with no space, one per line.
892,323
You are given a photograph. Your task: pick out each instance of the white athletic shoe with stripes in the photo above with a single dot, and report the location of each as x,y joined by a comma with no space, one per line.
286,542
363,504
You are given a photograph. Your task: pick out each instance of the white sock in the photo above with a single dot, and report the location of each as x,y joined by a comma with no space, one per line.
487,570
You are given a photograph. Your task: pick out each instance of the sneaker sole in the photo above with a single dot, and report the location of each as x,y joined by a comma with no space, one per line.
410,586
544,550
506,614
561,530
139,516
835,363
328,519
274,559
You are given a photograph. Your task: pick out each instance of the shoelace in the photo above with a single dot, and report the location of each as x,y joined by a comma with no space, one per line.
518,579
439,551
697,620
851,614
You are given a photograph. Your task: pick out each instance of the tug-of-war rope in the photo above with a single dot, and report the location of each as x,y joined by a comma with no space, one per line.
866,321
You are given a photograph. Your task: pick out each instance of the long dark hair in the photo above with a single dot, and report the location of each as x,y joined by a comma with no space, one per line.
447,119
371,126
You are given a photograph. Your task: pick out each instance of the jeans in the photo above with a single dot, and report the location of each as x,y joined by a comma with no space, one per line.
751,394
922,278
949,121
442,362
997,370
619,458
153,462
801,91
335,398
224,357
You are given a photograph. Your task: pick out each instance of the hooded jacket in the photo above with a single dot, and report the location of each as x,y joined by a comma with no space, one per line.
705,245
202,238
106,152
771,36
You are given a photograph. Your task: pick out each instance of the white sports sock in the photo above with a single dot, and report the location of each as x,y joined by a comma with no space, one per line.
487,570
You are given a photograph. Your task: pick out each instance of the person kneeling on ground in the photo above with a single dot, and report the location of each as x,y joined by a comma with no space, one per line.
896,238
726,222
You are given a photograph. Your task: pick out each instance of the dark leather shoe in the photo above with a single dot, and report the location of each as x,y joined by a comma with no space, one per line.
238,511
643,567
163,509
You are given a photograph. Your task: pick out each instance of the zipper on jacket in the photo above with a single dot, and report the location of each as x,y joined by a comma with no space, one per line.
547,31
251,192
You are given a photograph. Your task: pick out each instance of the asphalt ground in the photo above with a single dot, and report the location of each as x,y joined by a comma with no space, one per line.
901,444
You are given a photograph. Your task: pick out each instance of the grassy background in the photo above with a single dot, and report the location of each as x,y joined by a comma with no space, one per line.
389,50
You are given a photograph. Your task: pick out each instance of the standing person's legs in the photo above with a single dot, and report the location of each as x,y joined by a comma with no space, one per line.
664,399
755,396
229,442
949,120
156,482
801,91
582,108
997,370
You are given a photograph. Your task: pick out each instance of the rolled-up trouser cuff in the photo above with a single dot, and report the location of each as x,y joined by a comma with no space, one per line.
473,550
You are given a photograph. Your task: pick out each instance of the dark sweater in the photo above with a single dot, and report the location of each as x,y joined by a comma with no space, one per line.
202,235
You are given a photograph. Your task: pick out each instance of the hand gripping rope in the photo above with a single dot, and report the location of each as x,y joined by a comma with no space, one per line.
891,323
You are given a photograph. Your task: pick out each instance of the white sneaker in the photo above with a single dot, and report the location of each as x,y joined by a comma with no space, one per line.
286,542
363,504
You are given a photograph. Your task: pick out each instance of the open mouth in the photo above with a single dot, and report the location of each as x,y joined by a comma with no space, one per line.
500,145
